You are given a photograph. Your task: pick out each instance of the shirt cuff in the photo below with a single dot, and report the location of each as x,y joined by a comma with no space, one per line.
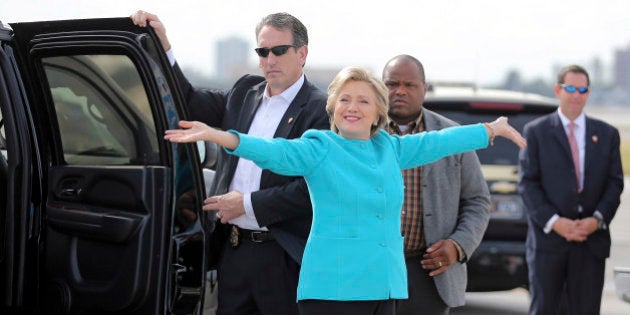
461,256
171,56
249,208
549,225
598,213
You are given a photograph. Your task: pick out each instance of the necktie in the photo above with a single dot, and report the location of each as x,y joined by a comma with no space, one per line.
575,152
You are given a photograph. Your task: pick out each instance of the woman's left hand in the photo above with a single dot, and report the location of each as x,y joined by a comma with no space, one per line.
502,128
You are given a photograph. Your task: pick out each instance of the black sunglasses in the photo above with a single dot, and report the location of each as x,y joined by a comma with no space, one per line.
276,50
572,88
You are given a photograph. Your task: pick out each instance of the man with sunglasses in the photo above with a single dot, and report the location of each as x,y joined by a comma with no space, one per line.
571,182
264,218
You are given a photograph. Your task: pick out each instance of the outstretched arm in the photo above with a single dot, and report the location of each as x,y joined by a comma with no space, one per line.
500,127
143,18
197,131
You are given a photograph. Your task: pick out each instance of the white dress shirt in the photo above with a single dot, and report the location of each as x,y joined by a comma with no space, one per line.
247,176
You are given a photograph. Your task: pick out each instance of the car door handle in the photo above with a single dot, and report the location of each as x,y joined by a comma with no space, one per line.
70,192
178,268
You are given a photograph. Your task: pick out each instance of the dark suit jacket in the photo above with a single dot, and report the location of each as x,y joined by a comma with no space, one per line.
282,204
548,185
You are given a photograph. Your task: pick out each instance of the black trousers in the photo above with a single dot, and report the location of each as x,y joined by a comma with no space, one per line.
325,307
257,279
423,295
574,272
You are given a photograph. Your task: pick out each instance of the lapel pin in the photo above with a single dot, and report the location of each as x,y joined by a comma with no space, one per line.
595,139
290,120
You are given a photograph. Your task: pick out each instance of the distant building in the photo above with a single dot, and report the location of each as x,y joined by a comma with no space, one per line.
622,69
232,56
596,71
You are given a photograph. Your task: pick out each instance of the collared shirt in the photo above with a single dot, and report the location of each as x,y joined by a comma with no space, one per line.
247,176
580,137
412,211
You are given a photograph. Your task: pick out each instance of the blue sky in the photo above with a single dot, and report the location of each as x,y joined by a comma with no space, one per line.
458,40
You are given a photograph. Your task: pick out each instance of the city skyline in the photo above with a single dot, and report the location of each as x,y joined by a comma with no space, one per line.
232,61
457,40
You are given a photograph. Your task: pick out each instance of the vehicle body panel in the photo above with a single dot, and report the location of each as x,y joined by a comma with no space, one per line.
102,215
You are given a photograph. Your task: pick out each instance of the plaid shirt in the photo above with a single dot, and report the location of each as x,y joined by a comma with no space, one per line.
411,215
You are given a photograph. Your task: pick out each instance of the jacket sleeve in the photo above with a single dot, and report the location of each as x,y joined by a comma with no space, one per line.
473,215
610,200
205,105
295,157
427,147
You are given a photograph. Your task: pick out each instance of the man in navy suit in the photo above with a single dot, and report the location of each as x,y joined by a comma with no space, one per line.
571,181
268,216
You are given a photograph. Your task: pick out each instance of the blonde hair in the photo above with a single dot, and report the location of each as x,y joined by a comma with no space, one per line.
358,74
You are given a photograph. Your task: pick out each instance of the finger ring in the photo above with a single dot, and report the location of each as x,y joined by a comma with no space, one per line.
440,263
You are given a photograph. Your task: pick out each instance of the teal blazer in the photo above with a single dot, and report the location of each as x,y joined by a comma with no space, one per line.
355,248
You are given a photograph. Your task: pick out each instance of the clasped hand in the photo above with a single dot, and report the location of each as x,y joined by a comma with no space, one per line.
575,230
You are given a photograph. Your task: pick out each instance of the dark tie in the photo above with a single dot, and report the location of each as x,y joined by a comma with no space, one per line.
575,152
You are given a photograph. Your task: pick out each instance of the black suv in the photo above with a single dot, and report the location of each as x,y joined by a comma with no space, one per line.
98,214
499,261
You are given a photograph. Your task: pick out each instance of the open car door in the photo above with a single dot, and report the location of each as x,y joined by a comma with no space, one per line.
100,215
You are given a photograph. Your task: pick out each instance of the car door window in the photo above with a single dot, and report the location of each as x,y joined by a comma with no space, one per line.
4,169
102,110
3,141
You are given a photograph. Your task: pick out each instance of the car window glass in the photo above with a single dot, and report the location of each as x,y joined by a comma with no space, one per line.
4,182
3,137
102,110
202,150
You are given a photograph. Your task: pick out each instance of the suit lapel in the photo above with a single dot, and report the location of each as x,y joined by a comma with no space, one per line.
590,146
251,103
293,112
290,119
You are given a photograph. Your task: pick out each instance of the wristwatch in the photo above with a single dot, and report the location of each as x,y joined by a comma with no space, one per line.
601,224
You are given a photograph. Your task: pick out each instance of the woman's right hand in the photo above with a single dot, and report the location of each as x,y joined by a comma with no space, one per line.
192,131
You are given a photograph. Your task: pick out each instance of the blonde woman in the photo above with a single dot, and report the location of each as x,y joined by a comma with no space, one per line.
353,262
